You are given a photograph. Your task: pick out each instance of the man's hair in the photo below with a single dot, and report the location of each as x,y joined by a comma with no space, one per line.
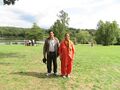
50,31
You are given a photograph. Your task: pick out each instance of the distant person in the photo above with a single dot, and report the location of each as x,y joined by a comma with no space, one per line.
33,42
25,42
50,52
92,43
29,42
66,53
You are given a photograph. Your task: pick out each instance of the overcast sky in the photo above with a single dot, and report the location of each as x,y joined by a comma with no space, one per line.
82,13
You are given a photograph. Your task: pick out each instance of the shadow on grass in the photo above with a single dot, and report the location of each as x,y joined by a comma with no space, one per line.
6,64
36,74
11,55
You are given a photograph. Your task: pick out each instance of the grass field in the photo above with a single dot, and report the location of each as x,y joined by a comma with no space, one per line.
95,68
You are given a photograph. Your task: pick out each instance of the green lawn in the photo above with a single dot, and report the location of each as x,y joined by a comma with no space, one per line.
95,68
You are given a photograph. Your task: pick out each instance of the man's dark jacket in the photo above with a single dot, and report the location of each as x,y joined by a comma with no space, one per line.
46,47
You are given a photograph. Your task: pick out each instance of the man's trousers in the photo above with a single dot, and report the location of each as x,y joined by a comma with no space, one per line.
51,58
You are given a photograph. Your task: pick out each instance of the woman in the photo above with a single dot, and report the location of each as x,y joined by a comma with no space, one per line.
66,52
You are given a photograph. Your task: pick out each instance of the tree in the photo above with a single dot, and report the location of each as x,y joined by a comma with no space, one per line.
57,29
60,27
118,37
12,33
107,32
83,37
9,2
35,33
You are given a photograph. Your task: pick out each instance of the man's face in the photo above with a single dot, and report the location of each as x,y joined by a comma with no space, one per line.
51,34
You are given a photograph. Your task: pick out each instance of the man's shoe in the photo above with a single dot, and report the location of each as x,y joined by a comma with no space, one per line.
48,74
56,74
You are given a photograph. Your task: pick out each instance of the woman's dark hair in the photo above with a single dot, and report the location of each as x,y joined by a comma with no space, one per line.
66,34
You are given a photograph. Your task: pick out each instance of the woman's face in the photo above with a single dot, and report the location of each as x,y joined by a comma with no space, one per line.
67,37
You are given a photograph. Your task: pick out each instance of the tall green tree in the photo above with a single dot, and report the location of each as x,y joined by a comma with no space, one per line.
107,32
60,26
35,33
118,37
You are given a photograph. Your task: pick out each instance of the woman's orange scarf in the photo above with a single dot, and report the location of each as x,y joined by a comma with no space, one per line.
68,44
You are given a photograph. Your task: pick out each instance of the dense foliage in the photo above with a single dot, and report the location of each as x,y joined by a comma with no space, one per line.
15,33
9,2
107,32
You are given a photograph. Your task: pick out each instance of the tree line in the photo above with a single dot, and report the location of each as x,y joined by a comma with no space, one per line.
106,33
15,33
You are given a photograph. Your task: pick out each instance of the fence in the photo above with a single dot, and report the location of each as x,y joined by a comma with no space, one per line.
17,42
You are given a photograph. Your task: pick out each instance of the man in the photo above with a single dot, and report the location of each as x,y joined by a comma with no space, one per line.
50,52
